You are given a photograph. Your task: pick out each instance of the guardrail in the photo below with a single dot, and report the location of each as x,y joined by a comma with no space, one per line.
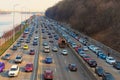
86,67
105,48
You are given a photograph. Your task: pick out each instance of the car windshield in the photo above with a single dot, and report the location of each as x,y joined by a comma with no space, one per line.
73,65
109,77
32,50
25,45
18,57
48,58
13,69
7,55
28,65
111,58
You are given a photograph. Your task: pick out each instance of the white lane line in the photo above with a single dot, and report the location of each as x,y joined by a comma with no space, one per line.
55,70
65,61
53,61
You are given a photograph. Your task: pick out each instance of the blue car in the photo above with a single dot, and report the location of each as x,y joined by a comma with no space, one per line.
102,55
2,66
48,60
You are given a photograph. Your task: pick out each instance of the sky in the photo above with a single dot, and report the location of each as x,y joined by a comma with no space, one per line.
27,5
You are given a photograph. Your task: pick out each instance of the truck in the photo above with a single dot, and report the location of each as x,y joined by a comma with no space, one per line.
62,42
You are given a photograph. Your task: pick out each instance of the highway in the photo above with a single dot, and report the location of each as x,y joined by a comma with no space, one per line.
26,59
107,67
60,62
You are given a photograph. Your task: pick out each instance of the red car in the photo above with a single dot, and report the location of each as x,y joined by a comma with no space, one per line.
24,35
72,67
48,74
29,67
32,52
86,57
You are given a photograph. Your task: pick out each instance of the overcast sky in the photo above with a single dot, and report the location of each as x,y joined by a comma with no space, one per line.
24,5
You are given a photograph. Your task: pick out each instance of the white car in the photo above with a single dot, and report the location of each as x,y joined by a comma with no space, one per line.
18,59
110,60
85,48
14,70
46,49
64,52
55,49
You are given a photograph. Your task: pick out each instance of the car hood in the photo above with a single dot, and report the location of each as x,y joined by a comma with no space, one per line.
12,72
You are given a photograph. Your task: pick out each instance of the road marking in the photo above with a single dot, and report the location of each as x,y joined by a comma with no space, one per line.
53,61
65,61
55,70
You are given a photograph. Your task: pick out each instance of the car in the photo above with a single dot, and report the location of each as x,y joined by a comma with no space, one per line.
92,63
50,36
102,55
46,49
35,42
2,66
72,67
51,41
99,70
36,37
32,52
24,35
55,49
21,40
107,76
45,44
18,44
14,47
86,57
29,67
73,45
48,60
85,48
117,65
14,70
64,52
44,37
18,59
25,47
27,40
110,60
7,56
82,54
48,74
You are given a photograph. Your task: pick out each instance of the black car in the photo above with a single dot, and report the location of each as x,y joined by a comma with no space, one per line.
92,63
27,40
6,57
35,43
99,70
72,67
14,47
21,40
117,65
107,76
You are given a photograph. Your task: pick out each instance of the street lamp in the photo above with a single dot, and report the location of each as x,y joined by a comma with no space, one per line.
13,21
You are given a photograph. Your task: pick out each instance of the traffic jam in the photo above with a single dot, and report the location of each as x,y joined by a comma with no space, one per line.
55,47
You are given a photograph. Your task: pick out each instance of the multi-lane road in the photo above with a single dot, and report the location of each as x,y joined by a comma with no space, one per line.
59,66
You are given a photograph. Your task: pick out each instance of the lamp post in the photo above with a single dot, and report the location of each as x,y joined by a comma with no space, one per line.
14,21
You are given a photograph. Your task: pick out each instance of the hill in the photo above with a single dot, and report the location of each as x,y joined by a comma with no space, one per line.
99,19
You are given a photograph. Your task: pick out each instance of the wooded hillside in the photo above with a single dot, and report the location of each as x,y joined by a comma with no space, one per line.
99,19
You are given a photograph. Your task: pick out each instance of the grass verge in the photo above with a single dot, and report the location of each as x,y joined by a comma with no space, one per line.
10,41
